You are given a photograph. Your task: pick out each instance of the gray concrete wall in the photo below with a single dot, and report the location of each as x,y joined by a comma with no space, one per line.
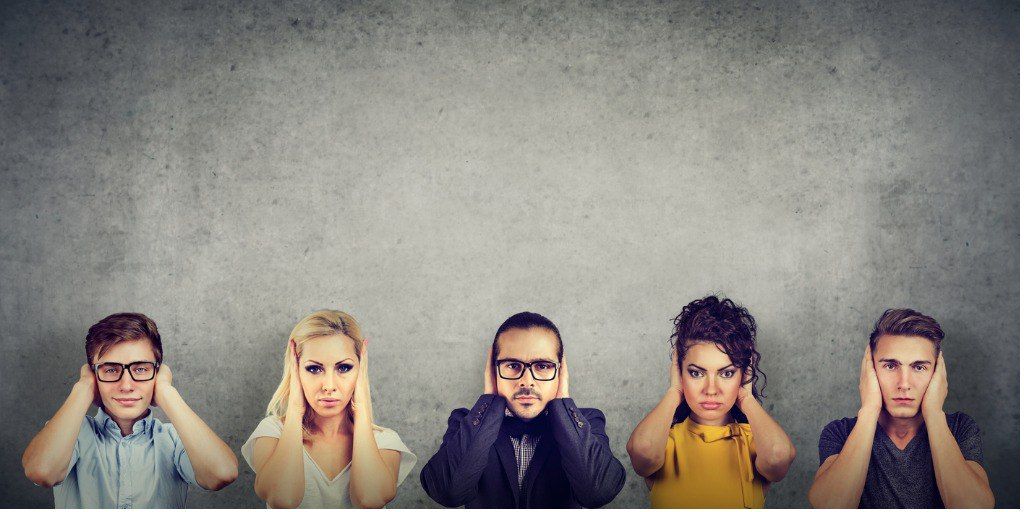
227,168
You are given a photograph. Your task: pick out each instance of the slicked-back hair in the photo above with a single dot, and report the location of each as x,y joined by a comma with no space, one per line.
907,322
526,320
119,328
732,329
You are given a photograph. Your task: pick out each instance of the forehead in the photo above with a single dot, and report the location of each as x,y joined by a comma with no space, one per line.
528,344
128,352
706,355
904,348
329,349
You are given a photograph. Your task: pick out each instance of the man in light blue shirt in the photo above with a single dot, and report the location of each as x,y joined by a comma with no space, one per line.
123,457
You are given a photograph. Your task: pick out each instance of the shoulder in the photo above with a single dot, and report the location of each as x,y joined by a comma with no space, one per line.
840,428
961,423
269,426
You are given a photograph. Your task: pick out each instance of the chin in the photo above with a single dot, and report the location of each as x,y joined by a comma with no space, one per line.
902,411
527,412
118,411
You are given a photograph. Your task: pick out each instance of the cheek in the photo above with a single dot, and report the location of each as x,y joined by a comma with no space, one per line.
506,387
692,388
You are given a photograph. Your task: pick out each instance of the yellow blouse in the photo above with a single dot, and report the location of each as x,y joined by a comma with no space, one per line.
708,467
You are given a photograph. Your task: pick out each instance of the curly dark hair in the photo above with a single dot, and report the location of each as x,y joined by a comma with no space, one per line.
732,329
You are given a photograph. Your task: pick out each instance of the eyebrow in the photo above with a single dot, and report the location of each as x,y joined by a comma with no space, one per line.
539,359
339,362
897,361
705,369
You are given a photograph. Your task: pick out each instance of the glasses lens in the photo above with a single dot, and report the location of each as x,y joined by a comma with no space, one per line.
510,369
142,371
543,370
109,372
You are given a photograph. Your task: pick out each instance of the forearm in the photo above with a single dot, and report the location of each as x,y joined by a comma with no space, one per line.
842,483
774,450
646,445
452,475
959,485
48,454
212,460
281,480
594,474
372,484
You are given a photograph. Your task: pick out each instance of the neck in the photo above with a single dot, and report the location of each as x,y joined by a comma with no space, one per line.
337,424
900,427
724,420
127,426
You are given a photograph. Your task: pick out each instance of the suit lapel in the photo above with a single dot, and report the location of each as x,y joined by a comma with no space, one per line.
508,462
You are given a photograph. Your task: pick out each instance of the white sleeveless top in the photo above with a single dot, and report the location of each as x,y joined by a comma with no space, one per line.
321,492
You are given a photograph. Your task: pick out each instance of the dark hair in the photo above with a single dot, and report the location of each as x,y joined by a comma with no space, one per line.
526,320
732,329
907,322
119,328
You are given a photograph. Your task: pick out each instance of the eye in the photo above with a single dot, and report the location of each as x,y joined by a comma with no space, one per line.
345,367
727,374
110,369
141,370
889,366
514,365
696,374
920,367
315,369
544,366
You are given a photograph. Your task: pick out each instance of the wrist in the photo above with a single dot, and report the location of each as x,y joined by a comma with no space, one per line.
673,396
933,417
748,404
870,413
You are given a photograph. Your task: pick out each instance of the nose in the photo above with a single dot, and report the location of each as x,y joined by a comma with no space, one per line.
328,382
526,379
711,387
904,382
126,383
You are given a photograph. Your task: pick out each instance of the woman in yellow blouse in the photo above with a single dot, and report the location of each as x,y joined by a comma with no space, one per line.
709,443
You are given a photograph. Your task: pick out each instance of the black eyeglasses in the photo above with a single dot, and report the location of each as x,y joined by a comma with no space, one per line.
512,369
140,371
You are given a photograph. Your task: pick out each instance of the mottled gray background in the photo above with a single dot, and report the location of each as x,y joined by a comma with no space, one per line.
432,168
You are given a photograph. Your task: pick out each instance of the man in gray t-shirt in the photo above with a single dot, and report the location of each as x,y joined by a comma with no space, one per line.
901,478
902,450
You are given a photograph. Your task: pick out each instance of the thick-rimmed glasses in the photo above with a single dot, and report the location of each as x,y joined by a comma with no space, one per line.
140,371
513,369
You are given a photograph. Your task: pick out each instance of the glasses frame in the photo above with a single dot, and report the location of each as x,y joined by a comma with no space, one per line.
126,366
526,365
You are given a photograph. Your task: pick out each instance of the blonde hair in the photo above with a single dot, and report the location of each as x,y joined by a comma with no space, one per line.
326,322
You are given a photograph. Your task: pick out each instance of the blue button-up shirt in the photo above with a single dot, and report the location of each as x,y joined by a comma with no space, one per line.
146,469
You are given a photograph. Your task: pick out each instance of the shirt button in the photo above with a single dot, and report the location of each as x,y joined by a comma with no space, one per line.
579,424
476,422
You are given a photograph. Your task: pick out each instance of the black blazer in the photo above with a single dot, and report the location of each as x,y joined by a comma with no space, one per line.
475,466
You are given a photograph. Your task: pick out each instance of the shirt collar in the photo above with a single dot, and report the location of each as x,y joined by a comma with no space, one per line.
110,426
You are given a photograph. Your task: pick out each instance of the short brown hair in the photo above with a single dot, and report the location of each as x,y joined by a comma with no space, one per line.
907,322
119,328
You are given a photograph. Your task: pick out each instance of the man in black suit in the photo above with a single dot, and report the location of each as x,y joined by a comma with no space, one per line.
524,444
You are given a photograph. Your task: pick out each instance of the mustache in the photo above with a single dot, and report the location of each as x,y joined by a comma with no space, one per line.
526,392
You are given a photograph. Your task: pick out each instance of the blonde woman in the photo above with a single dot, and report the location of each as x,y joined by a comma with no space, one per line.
318,446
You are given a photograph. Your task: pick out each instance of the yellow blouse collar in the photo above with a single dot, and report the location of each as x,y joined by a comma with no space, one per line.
739,432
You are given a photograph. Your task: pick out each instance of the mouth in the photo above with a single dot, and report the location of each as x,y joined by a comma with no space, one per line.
127,402
903,401
329,402
710,406
526,399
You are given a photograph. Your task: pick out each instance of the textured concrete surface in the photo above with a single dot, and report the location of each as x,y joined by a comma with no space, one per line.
228,167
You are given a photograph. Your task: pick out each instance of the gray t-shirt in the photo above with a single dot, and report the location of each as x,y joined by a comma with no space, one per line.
902,478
